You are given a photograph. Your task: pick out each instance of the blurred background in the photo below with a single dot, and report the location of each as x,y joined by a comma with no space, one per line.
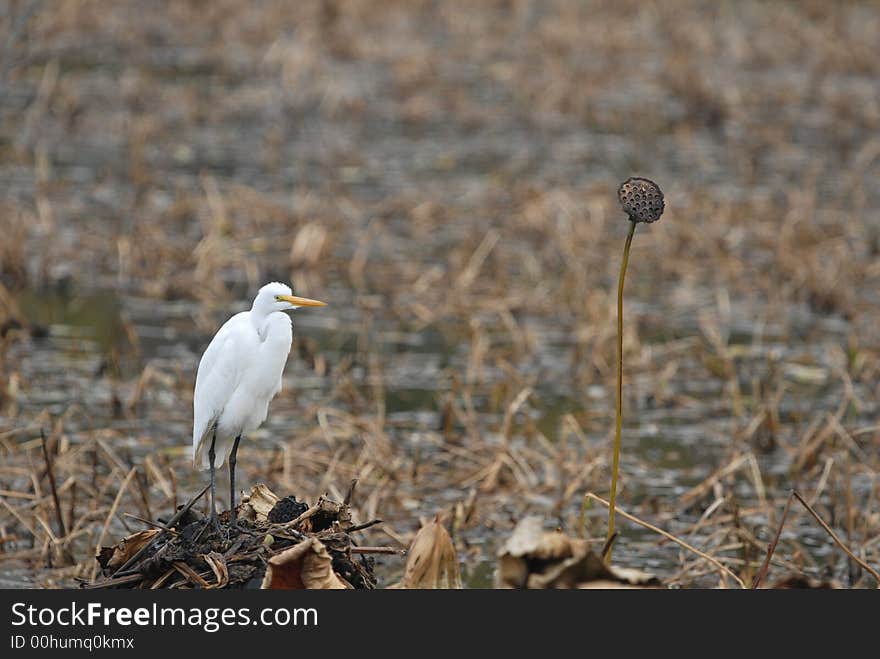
444,174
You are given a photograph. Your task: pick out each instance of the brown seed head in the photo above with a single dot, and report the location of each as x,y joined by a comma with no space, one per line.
641,199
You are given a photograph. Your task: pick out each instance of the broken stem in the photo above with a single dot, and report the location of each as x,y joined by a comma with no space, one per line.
378,550
50,472
772,547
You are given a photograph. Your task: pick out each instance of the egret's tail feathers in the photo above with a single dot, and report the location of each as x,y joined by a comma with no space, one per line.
222,449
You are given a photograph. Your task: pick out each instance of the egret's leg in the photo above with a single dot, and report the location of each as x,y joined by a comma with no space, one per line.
232,456
214,519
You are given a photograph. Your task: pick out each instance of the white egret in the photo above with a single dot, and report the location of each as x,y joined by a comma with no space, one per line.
239,374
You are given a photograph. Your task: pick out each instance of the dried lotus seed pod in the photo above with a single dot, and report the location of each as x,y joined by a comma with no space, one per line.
641,199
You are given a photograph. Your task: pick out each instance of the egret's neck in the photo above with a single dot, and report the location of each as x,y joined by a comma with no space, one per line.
262,318
259,317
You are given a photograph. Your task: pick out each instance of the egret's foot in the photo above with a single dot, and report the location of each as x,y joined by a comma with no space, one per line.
215,522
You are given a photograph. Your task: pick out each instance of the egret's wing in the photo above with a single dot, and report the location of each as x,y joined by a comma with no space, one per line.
218,374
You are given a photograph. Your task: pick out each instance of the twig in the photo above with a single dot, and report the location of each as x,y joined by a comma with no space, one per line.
697,491
13,494
297,537
50,471
157,525
606,548
109,583
192,576
320,505
378,550
674,539
18,516
350,493
837,540
161,580
772,547
71,508
361,527
144,489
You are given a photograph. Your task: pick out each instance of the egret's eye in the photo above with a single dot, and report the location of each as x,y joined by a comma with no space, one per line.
278,298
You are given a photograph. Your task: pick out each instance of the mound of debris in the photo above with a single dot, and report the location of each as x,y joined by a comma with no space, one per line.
275,543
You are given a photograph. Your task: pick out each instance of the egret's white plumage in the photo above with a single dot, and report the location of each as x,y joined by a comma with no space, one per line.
240,372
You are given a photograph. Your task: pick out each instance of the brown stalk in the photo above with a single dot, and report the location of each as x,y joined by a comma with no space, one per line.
50,472
765,566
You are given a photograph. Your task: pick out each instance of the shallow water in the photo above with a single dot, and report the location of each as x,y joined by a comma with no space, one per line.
669,449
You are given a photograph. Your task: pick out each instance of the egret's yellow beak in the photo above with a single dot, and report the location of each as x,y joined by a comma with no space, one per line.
300,301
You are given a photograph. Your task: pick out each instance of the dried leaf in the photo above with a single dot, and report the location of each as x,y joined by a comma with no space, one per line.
117,555
256,506
534,558
217,563
306,565
432,561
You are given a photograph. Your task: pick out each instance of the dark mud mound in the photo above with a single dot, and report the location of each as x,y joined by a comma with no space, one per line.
275,543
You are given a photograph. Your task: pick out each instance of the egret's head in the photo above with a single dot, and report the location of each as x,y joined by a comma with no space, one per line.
279,297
